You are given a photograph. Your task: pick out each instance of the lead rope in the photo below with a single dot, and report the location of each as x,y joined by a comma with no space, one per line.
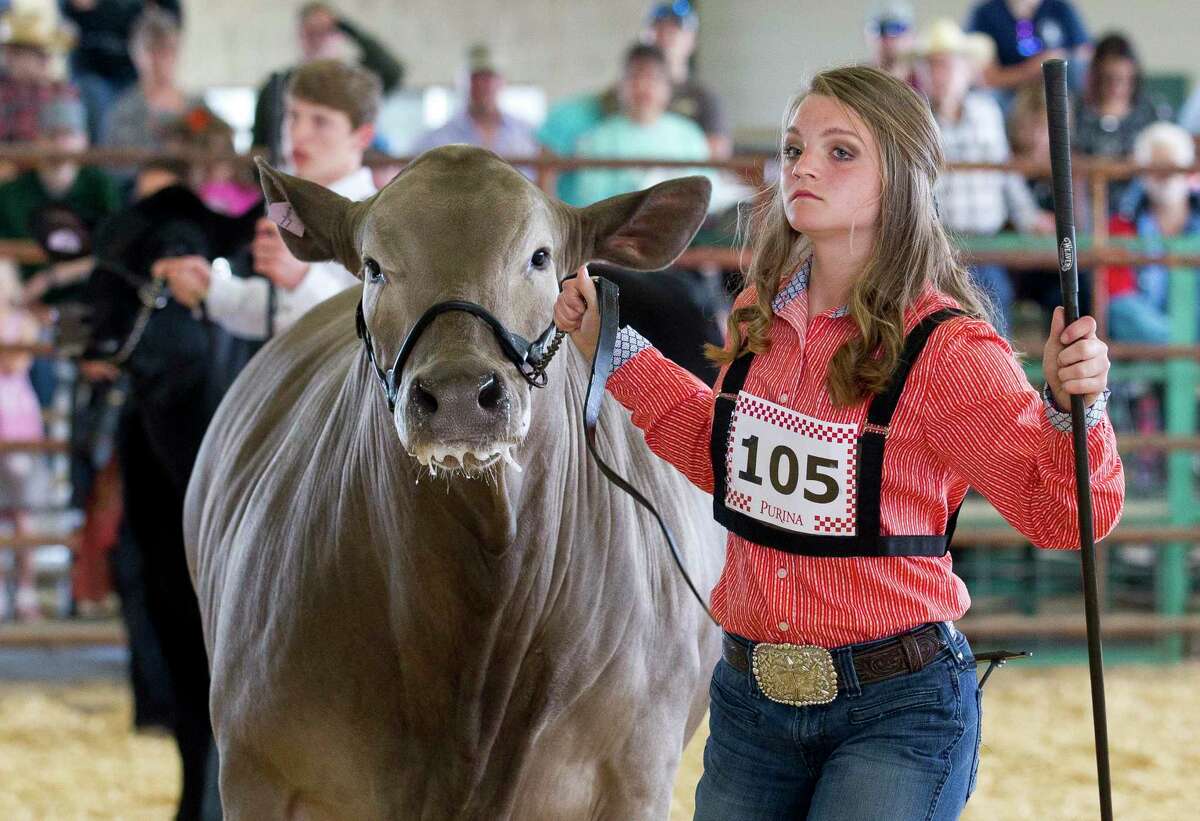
153,298
607,294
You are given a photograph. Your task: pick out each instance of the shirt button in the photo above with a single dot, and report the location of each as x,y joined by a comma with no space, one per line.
782,573
783,397
784,626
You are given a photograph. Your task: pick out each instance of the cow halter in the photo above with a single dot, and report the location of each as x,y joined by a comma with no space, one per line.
531,360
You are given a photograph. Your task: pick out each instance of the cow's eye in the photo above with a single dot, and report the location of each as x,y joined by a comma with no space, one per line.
371,270
541,258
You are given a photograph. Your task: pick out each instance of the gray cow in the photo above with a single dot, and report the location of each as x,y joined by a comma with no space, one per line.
447,612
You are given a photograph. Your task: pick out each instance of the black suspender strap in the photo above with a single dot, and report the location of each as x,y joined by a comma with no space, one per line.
879,419
719,444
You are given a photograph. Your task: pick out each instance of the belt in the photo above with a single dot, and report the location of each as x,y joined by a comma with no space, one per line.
907,653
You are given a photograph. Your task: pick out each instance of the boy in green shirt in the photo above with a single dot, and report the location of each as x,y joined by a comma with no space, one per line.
643,129
87,192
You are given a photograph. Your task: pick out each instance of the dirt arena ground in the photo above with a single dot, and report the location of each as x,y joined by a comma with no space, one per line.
66,752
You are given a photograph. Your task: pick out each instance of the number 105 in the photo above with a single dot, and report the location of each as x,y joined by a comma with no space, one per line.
784,471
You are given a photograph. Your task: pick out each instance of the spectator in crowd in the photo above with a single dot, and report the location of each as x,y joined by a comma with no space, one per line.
974,203
889,35
481,121
143,115
31,38
567,121
1029,137
61,184
1026,33
1159,206
673,27
324,35
84,190
1114,107
571,118
226,186
644,129
20,421
331,111
101,64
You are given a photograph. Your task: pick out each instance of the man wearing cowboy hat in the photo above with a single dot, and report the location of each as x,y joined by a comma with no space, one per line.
977,203
673,27
31,38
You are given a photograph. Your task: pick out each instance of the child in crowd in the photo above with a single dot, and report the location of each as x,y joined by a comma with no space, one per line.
20,421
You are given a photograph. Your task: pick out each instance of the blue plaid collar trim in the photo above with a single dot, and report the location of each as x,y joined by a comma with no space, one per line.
797,284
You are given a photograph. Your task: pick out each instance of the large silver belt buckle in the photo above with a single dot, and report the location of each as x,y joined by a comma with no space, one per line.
795,674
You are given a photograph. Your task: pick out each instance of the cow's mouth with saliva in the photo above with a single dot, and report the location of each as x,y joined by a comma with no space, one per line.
469,459
463,423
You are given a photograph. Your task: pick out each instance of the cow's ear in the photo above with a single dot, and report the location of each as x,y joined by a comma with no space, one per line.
646,230
315,223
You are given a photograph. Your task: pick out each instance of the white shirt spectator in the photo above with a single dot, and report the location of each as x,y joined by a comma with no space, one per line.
239,304
981,202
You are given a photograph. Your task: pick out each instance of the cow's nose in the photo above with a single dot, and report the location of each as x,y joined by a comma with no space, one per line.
457,403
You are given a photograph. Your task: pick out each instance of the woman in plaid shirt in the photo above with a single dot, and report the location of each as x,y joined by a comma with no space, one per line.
862,393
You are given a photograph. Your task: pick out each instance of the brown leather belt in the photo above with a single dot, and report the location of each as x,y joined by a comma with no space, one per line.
907,653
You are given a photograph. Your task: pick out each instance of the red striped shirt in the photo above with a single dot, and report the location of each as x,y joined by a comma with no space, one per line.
968,417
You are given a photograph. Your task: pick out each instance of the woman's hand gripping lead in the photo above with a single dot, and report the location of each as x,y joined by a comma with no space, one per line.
575,312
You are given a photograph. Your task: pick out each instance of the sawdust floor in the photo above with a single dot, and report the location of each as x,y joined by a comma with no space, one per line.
66,751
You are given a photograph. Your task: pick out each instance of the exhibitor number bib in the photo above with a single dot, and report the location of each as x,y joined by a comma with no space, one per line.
790,470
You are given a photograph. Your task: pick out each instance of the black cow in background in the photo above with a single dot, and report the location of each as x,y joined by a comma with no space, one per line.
177,365
677,310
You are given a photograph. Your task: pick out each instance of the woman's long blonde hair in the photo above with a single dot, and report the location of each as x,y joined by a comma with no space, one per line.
910,252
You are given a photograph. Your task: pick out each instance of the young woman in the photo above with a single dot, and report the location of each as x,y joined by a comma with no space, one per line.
861,394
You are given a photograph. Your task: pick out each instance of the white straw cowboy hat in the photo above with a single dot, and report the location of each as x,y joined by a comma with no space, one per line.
943,36
35,27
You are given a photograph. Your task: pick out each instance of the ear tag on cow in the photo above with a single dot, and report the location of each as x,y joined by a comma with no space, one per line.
283,215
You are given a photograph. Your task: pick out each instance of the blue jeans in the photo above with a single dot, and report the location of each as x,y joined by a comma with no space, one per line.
1134,318
98,95
903,749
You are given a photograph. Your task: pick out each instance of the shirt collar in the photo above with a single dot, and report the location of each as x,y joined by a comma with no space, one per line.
795,286
357,185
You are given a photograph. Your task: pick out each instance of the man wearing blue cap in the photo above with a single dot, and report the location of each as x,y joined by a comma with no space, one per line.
672,27
889,35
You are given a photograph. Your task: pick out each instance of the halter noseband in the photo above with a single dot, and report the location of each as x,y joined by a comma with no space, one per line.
530,358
